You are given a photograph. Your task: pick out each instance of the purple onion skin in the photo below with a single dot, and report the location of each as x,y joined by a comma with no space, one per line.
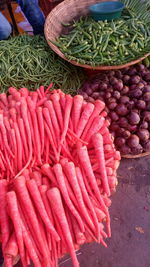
135,79
123,122
125,150
95,95
126,134
146,88
135,93
147,77
121,109
146,116
118,85
134,118
140,67
144,125
116,94
112,105
114,127
90,99
94,86
137,150
133,141
125,90
119,141
107,95
85,96
114,116
130,105
103,86
124,99
132,71
89,91
146,96
143,134
146,146
140,104
118,74
113,80
126,79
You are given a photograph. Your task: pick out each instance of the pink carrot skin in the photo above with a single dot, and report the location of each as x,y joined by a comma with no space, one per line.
25,200
62,186
19,146
62,101
28,132
4,136
69,169
49,134
11,248
46,181
79,236
41,126
15,216
99,106
47,148
57,206
47,170
96,126
26,174
24,92
49,123
8,262
43,191
68,106
37,177
23,136
35,98
98,145
35,194
86,165
56,103
86,198
53,117
29,245
4,219
48,88
76,110
71,133
84,118
35,128
3,98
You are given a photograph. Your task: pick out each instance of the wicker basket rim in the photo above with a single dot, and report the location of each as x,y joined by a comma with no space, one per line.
48,22
136,156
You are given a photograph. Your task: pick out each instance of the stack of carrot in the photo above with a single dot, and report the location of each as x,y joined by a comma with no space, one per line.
57,171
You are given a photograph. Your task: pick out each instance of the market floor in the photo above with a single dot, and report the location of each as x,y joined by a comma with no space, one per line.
129,245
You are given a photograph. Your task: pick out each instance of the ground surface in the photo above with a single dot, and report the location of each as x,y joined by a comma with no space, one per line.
130,222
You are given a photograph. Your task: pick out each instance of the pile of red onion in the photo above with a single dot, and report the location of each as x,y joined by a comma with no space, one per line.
126,94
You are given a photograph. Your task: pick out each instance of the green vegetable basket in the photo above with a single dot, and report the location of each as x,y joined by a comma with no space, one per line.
66,12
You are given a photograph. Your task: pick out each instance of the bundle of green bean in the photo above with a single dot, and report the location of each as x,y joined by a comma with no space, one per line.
106,43
27,61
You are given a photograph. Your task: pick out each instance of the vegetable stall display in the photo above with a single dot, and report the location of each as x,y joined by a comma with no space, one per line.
27,61
57,171
107,43
127,97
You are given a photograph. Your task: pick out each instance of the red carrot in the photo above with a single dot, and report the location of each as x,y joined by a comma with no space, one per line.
56,103
41,126
46,169
69,169
4,136
15,216
96,126
19,146
68,106
62,186
11,248
25,200
86,198
99,106
4,219
98,145
37,177
35,194
23,136
76,111
56,203
46,181
84,118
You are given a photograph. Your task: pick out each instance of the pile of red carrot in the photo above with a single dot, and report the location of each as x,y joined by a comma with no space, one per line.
57,171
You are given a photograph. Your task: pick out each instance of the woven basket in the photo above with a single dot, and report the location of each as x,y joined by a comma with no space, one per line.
136,156
65,12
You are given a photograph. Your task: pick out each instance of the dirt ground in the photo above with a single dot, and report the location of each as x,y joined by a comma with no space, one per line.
129,245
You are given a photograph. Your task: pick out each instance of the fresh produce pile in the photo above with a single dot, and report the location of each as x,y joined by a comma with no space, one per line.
105,43
126,93
28,61
108,43
57,170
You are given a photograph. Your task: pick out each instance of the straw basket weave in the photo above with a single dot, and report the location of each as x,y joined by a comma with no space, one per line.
64,13
136,156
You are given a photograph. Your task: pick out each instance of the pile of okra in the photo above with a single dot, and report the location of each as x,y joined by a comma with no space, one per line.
105,43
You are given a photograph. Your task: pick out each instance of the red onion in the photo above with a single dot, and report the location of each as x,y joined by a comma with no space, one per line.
124,99
146,96
125,90
146,146
118,85
134,118
123,122
112,105
126,134
121,109
125,150
114,116
90,99
126,79
137,150
147,77
144,125
133,141
116,94
103,86
143,134
146,115
135,93
119,141
135,79
95,95
140,104
146,88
